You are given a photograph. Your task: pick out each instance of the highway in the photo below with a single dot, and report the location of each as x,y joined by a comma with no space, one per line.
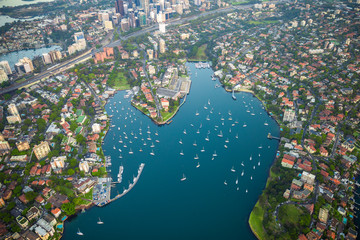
63,66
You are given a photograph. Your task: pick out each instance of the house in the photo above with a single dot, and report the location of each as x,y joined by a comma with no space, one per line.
56,212
33,213
287,163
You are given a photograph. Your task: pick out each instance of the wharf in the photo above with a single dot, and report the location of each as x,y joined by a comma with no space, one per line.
272,137
101,192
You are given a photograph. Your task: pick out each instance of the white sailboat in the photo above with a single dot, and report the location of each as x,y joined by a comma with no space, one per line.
180,141
246,191
197,113
259,163
207,138
184,131
220,134
214,154
242,173
183,178
237,181
244,124
266,124
227,140
225,183
131,152
195,143
181,153
198,131
79,233
152,153
225,146
242,163
203,149
250,177
233,169
100,222
198,165
196,157
237,136
250,157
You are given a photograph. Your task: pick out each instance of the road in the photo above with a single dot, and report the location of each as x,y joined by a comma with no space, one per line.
78,59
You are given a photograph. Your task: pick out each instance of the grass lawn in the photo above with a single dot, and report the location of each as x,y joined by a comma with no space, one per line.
290,213
88,195
200,55
255,221
166,115
262,22
120,82
239,2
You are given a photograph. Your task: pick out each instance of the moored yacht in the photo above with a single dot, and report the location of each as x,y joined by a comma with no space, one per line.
183,178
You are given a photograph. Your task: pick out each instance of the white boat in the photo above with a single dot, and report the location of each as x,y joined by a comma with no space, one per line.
181,153
140,150
100,222
120,156
242,173
183,178
237,181
152,153
220,134
260,146
202,150
205,107
156,133
225,182
196,157
266,124
244,124
209,101
237,189
225,146
152,145
250,157
250,177
259,163
237,136
198,131
197,113
227,140
242,163
252,114
207,118
157,141
184,131
131,152
246,191
233,169
79,233
195,143
198,165
214,154
180,141
207,138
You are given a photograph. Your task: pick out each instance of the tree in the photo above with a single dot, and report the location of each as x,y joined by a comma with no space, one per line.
71,172
41,124
68,208
30,196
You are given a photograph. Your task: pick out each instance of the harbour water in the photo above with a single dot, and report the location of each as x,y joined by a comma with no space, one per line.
15,3
203,206
6,19
14,57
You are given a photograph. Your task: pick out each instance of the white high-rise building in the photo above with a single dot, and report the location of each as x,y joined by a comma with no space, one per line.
46,58
84,166
3,76
162,27
12,109
5,65
162,45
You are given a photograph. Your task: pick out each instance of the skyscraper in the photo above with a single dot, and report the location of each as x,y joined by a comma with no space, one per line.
119,7
5,65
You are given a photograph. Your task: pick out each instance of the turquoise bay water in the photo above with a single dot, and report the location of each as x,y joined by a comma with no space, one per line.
160,206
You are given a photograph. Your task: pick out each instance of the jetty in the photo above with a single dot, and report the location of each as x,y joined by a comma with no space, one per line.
269,136
136,179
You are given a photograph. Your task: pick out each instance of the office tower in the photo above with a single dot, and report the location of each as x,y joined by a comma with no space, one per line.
119,7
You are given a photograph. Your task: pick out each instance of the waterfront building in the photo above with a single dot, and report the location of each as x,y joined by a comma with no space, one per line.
46,58
3,76
24,65
41,150
162,45
5,65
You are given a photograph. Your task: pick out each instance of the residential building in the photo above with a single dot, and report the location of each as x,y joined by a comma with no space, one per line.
41,151
4,146
323,215
84,166
23,146
13,119
162,45
5,65
12,109
58,162
96,128
46,58
289,115
3,76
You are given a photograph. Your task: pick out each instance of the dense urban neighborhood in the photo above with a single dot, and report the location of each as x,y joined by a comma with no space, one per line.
300,58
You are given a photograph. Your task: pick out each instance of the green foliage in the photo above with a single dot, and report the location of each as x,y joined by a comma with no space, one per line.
30,196
68,208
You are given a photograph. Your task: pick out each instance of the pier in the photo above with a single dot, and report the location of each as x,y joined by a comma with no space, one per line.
131,184
269,136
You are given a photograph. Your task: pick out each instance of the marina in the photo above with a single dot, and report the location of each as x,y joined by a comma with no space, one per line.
204,184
